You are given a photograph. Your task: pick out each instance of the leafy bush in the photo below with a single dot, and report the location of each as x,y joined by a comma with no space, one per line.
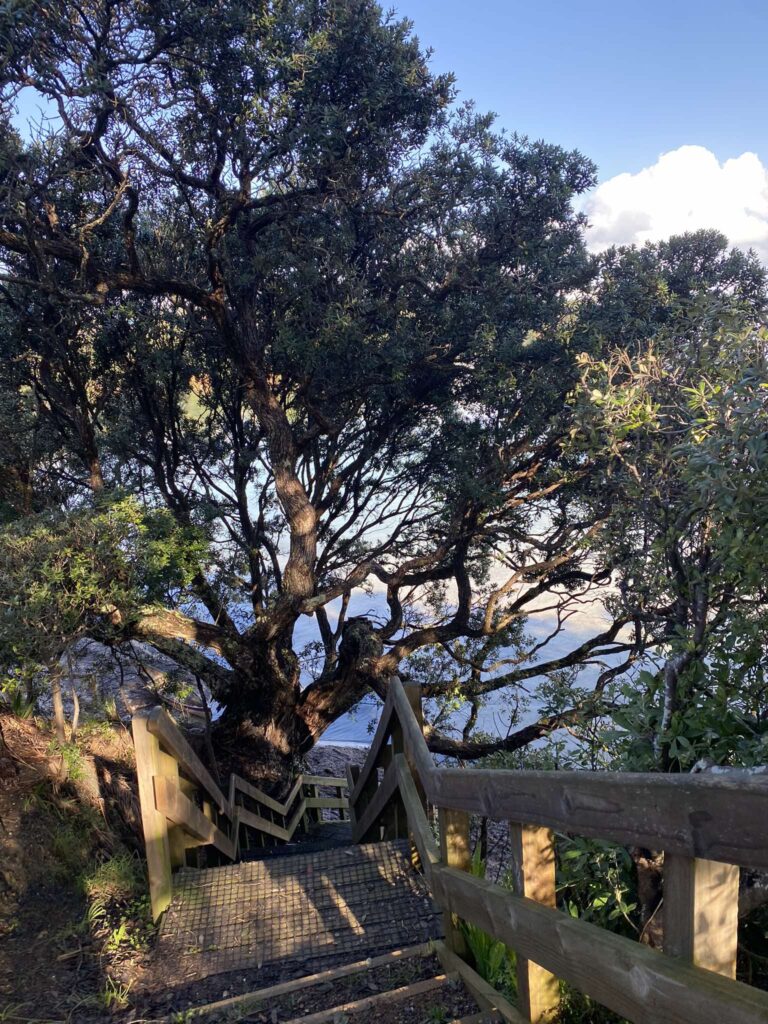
596,882
493,960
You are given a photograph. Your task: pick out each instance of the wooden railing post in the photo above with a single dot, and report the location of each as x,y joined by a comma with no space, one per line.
153,822
533,861
353,774
455,853
317,810
168,767
701,908
413,693
366,796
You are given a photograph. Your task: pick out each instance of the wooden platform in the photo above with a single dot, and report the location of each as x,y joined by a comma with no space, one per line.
294,915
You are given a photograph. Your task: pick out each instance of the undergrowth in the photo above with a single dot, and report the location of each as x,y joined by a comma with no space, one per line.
118,908
496,962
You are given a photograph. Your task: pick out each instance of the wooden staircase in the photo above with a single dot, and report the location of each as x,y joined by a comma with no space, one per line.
282,917
274,929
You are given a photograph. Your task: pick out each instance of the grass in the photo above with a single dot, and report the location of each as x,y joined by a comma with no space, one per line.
118,906
21,707
12,1012
114,996
115,888
96,730
121,877
73,831
72,757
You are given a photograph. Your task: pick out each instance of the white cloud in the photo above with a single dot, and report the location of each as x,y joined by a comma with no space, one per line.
686,189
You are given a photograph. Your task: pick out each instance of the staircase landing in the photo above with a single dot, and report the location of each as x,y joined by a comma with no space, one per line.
284,917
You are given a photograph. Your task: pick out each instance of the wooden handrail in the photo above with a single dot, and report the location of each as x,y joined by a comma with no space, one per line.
173,741
629,978
284,807
179,809
693,815
717,817
691,818
182,807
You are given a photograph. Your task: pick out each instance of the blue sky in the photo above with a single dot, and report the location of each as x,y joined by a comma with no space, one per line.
622,81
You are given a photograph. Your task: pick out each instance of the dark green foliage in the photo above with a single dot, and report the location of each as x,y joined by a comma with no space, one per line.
596,882
264,273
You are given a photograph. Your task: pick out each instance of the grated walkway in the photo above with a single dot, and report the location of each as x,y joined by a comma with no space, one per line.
327,835
295,915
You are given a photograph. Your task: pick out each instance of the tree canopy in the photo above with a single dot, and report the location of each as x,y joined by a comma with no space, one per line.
300,327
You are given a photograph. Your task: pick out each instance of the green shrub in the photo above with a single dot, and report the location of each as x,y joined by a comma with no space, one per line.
493,960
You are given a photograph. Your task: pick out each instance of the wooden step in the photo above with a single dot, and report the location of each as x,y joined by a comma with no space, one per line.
488,999
372,1002
259,997
292,916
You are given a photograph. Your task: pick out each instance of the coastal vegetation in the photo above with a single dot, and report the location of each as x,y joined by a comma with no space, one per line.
284,325
309,379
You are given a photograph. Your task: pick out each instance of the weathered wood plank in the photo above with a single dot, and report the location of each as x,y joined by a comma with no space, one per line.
413,695
294,794
712,817
270,828
153,822
288,806
168,766
293,823
370,1003
533,871
380,738
353,774
419,756
161,725
254,1000
421,833
314,797
241,785
373,811
701,912
455,852
629,978
179,809
326,803
332,781
487,997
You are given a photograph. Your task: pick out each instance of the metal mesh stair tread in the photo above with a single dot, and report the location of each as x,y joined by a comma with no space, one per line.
297,913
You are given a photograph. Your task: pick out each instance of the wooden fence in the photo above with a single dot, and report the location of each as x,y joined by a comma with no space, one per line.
708,826
183,808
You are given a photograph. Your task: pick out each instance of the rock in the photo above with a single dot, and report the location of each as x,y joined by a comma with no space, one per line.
328,759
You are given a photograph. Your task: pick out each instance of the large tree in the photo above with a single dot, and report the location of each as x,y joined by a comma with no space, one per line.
261,272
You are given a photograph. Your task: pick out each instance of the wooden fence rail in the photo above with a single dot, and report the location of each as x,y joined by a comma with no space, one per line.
707,826
183,808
